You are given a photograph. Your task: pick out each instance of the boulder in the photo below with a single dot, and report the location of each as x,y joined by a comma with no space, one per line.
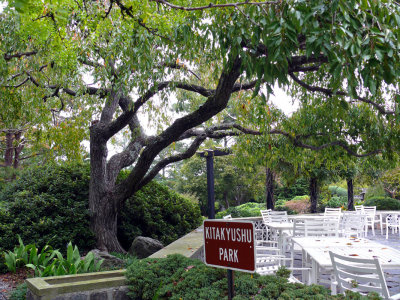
143,247
110,261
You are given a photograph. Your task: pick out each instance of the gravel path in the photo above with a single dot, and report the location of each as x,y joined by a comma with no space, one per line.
4,289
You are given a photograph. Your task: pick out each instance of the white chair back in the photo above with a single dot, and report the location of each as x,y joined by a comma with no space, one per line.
359,208
359,275
392,222
353,224
277,216
321,227
299,228
370,210
227,217
265,215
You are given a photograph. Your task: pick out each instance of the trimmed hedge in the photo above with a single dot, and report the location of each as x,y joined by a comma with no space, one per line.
47,205
383,203
177,277
157,212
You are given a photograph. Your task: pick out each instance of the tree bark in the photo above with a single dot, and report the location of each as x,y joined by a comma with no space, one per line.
269,186
8,155
225,196
313,194
103,204
350,194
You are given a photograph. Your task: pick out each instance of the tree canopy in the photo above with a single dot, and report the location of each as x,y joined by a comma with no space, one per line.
98,65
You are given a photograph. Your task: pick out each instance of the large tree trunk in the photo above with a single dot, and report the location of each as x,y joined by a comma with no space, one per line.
350,194
103,205
8,155
313,194
269,185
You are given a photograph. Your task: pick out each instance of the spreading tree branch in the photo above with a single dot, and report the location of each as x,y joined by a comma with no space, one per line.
212,5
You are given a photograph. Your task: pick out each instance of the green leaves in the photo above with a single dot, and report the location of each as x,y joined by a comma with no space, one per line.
51,262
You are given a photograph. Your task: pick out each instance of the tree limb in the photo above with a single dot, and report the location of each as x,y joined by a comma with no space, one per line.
212,5
175,158
330,93
8,57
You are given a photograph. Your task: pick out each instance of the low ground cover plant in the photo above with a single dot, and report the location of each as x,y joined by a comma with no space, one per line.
177,277
50,262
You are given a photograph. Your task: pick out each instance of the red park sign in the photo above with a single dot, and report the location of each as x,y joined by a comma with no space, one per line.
229,244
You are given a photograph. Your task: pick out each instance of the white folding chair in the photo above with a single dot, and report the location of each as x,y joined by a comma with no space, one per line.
321,227
359,208
262,234
270,259
352,224
277,216
333,213
359,275
392,222
370,212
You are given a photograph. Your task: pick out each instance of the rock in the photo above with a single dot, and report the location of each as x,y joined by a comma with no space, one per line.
143,247
110,261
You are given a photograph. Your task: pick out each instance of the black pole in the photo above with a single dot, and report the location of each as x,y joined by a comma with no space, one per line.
210,185
231,291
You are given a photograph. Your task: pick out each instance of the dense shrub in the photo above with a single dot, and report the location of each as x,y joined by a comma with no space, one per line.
47,205
249,209
339,191
336,202
383,203
177,277
285,208
375,191
300,204
157,212
299,187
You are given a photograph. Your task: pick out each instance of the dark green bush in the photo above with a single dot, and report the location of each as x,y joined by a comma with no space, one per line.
157,212
337,202
47,205
338,191
383,203
298,188
177,277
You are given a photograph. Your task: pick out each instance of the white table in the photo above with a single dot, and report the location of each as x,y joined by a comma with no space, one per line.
279,228
317,249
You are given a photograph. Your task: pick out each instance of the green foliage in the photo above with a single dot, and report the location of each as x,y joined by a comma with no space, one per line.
375,191
249,209
177,277
49,262
157,212
383,203
339,191
336,202
285,208
298,188
19,293
47,205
